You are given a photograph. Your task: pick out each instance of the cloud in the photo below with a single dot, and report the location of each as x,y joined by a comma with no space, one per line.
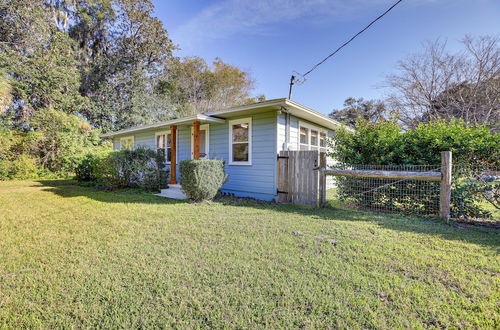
231,17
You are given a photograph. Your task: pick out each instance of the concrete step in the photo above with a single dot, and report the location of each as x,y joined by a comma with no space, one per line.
174,191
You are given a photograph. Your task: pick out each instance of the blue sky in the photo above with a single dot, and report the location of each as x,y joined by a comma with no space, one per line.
273,38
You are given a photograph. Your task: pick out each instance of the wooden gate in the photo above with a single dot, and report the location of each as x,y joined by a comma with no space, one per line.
298,177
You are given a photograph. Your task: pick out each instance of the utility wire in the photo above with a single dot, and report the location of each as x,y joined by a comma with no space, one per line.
354,37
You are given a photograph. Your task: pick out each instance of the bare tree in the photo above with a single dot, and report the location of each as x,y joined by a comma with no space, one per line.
438,84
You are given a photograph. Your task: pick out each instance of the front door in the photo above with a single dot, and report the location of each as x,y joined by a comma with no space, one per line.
204,137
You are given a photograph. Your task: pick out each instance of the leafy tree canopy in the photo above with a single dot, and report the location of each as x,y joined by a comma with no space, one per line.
67,65
194,86
359,109
109,61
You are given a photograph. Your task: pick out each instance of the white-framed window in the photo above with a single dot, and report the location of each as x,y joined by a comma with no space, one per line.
240,141
163,144
204,142
127,142
304,138
314,142
322,141
312,137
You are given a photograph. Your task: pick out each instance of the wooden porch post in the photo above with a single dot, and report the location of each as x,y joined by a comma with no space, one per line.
196,139
173,153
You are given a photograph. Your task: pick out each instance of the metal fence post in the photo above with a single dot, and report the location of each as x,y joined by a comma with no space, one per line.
445,191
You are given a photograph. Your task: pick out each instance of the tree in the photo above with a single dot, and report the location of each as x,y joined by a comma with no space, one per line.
438,84
356,109
126,65
98,58
24,25
47,77
195,87
5,92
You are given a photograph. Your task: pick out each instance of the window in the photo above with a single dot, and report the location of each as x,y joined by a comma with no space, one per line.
240,146
322,141
304,138
127,143
312,138
163,144
304,135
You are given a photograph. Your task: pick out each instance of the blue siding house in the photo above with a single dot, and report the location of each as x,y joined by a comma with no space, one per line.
248,138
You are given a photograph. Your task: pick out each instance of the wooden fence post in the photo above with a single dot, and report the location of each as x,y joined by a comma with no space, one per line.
445,191
322,179
283,183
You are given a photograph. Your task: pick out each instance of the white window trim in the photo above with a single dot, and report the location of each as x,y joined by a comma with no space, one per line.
176,149
248,121
311,127
207,140
127,138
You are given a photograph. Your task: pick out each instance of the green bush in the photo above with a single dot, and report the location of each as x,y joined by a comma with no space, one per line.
24,167
142,167
387,143
54,146
83,171
97,167
4,170
464,200
202,179
21,168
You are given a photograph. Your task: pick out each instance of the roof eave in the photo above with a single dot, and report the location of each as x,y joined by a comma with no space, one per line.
314,116
179,121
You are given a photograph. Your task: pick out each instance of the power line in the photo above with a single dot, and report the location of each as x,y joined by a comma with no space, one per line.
346,43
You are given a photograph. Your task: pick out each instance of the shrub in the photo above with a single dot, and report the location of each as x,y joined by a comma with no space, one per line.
387,143
143,168
22,168
4,170
83,171
202,179
464,199
53,146
97,167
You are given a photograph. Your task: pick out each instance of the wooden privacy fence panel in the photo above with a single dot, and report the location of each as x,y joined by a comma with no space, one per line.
298,177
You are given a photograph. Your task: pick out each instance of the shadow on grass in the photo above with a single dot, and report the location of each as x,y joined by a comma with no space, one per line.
398,222
430,226
70,188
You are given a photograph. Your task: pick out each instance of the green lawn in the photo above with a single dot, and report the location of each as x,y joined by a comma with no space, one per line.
77,257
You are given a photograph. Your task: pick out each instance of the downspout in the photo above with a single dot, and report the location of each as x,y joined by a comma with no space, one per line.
287,128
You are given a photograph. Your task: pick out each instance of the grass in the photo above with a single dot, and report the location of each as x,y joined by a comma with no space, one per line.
76,257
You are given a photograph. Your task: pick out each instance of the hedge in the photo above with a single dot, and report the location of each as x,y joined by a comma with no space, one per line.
202,179
142,167
388,143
